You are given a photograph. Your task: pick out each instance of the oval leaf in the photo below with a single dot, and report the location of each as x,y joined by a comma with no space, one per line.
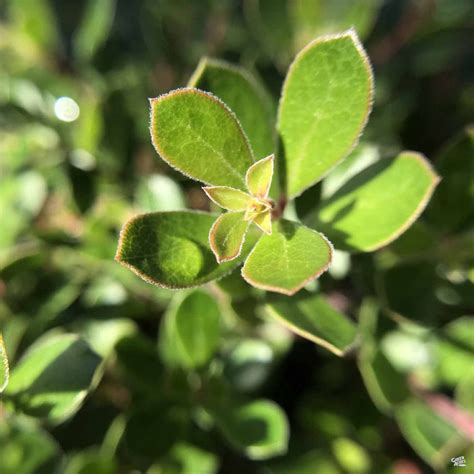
196,133
53,378
171,249
325,103
246,97
311,317
227,236
259,428
378,204
259,177
287,259
190,332
228,198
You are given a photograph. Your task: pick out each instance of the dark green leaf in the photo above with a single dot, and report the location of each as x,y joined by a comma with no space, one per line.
245,96
151,243
53,378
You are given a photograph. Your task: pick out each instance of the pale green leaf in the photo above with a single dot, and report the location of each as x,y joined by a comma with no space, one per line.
190,330
171,249
4,367
196,133
53,378
257,207
288,259
37,20
259,428
245,96
264,221
259,177
378,204
325,102
312,317
227,236
351,455
431,436
228,198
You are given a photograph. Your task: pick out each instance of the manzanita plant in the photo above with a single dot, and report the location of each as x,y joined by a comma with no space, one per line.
220,131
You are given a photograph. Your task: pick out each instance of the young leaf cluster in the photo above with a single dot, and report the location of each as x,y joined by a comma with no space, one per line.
324,106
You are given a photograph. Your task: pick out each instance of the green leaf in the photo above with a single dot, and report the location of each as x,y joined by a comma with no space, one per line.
227,236
245,96
159,193
4,367
196,133
26,449
312,317
453,202
185,458
259,428
228,198
287,259
315,17
325,102
431,436
351,455
190,330
91,460
386,386
272,28
150,243
53,378
455,350
259,177
248,364
465,392
95,27
152,429
377,205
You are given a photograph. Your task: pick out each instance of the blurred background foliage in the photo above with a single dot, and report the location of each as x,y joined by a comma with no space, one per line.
206,382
